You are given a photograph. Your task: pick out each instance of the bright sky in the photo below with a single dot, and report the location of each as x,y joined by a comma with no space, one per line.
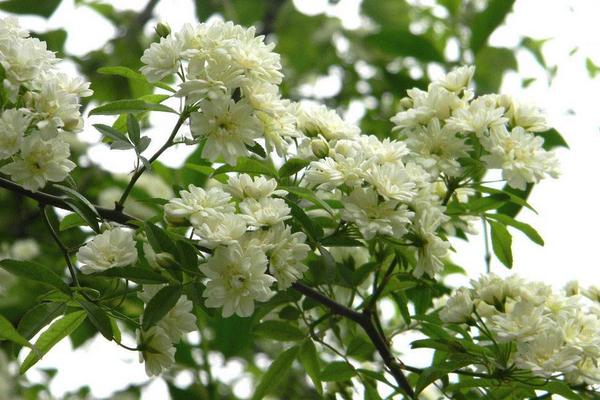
567,207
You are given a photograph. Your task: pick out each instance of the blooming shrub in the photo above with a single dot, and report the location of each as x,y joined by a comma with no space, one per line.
299,218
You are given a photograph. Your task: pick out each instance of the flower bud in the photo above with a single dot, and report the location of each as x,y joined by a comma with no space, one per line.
320,148
162,29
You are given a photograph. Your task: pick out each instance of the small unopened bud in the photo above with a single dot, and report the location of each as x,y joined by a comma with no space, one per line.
175,220
105,226
164,259
162,29
406,102
320,148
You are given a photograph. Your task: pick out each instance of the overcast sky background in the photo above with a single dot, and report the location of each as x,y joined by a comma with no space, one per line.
568,212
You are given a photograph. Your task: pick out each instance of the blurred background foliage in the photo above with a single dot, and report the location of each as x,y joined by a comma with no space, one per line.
400,44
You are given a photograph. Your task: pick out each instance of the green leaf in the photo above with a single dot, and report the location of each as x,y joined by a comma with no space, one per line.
98,318
129,106
112,133
131,74
160,305
257,149
486,22
81,206
8,332
552,139
276,373
35,272
512,197
491,63
134,274
307,194
133,128
310,362
314,231
159,239
250,166
291,166
400,42
501,243
522,226
43,8
337,371
402,303
54,334
561,389
38,317
279,330
71,221
433,373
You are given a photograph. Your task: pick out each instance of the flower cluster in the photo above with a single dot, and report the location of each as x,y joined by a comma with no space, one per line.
232,77
39,104
554,333
157,348
448,123
243,222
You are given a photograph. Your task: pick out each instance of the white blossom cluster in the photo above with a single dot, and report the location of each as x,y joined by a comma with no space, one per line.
38,105
555,334
447,122
233,77
157,343
243,222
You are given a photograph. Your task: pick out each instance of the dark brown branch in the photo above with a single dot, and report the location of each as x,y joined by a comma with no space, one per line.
364,320
55,201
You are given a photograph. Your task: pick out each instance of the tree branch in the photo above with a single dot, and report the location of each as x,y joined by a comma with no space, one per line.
56,201
364,320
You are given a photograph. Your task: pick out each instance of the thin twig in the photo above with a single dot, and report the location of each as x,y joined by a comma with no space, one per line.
120,204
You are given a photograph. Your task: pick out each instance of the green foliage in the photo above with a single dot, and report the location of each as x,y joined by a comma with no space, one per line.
59,329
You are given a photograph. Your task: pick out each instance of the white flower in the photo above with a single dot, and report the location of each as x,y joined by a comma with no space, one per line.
196,204
392,181
383,151
479,117
220,229
243,185
431,248
237,278
314,120
264,212
436,102
157,351
373,217
523,322
457,79
325,173
161,59
546,354
228,127
40,161
459,308
491,288
179,320
524,115
437,148
25,249
113,248
286,255
521,157
13,124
